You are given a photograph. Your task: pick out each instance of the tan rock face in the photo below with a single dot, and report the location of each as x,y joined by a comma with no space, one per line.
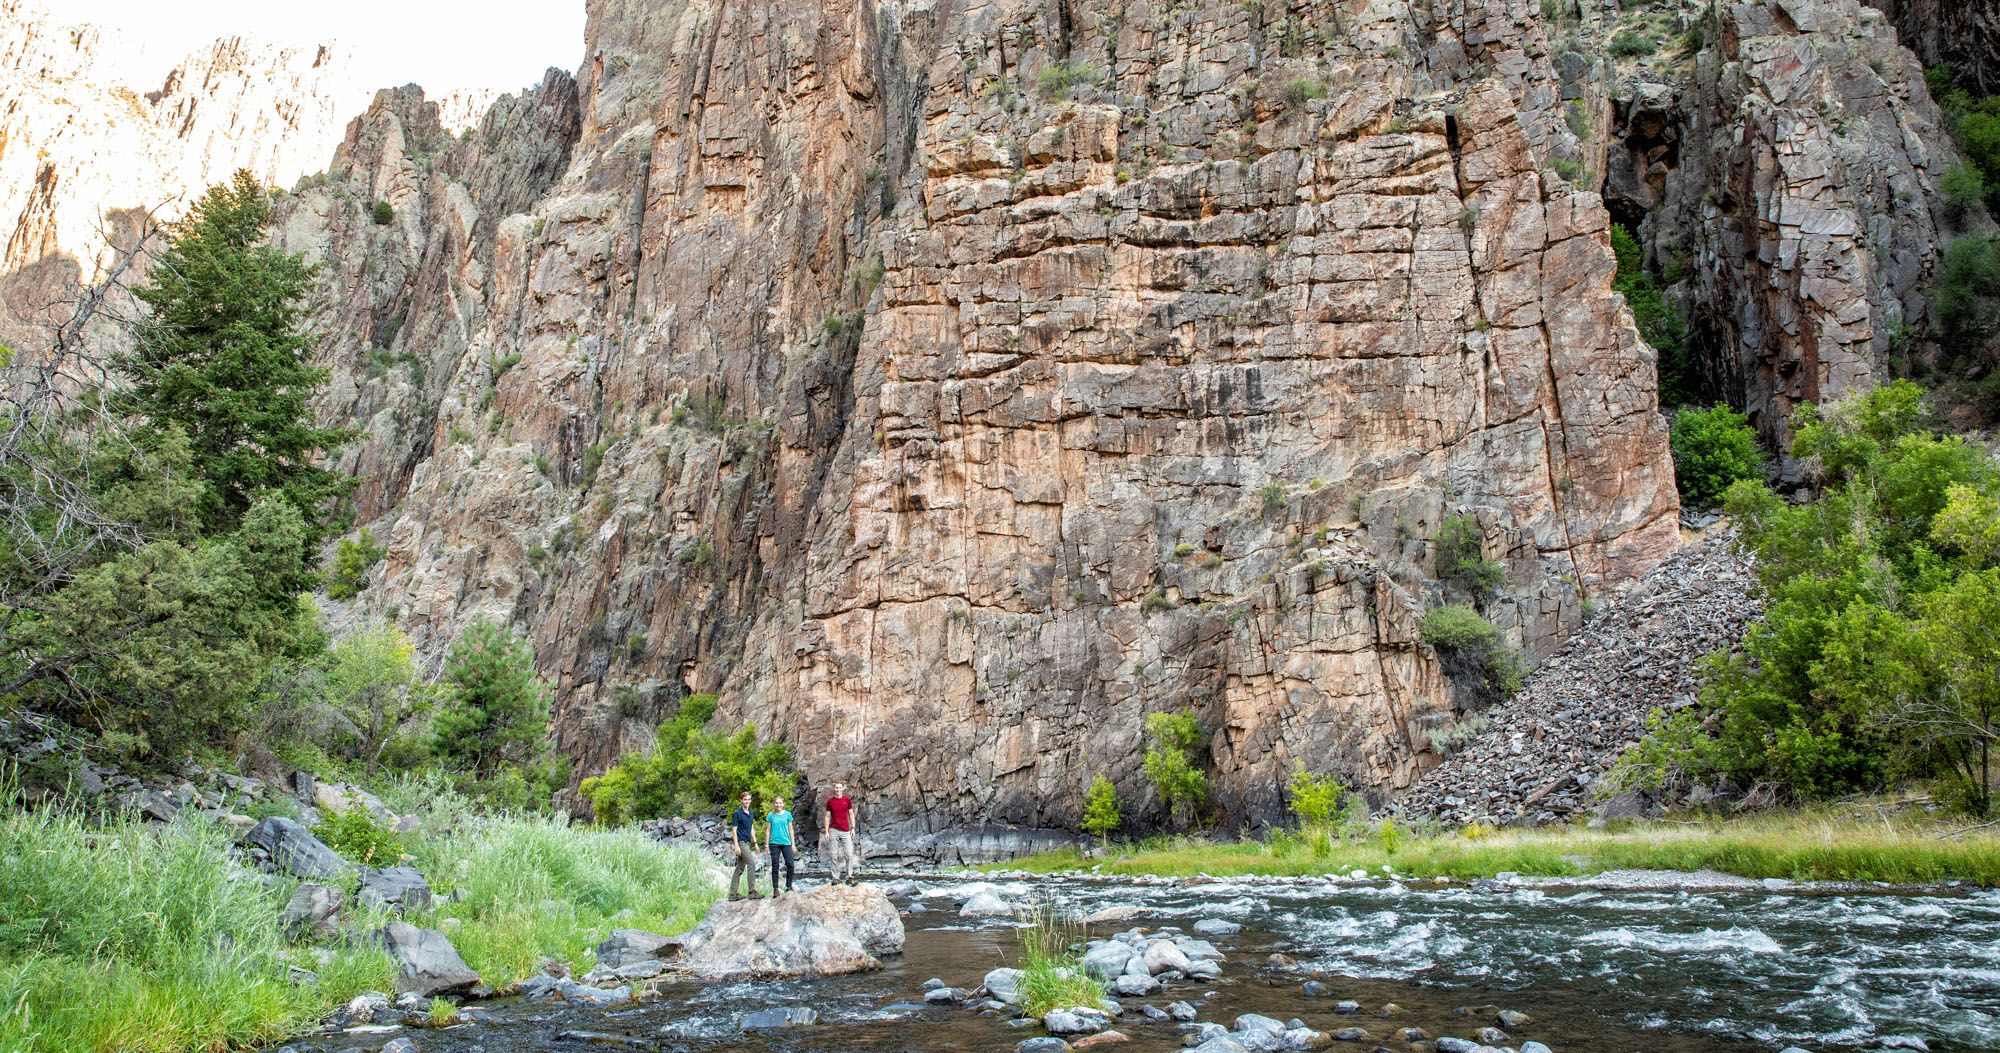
950,386
83,155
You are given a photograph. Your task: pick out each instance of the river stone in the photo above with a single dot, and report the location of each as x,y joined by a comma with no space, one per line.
400,889
1181,1011
401,1045
1199,949
1537,1047
1202,969
542,987
630,946
984,904
426,962
1221,1044
1130,986
1216,927
1005,984
1102,1038
1307,1038
1106,959
1510,1019
1074,1021
944,995
1353,1034
1042,1044
1258,1022
824,931
293,849
1115,913
1493,1036
1162,956
1454,1044
1347,1007
312,911
765,1019
1155,1013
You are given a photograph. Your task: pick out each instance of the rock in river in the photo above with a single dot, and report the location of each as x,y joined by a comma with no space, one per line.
1005,985
763,1019
426,962
824,931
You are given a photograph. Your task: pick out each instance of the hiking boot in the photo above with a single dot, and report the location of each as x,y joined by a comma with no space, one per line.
734,898
754,894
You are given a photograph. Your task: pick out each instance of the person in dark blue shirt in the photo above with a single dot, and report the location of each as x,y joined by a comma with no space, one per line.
743,838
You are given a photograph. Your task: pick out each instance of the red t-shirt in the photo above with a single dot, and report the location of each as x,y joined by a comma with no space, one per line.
840,809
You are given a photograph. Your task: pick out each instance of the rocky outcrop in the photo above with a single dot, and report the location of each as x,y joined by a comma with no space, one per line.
85,156
950,386
824,931
1803,205
291,848
426,962
1541,756
1967,35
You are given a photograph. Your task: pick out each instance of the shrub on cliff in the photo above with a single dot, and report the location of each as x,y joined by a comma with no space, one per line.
353,558
1461,557
1658,318
383,213
1875,658
1474,653
1713,448
1171,738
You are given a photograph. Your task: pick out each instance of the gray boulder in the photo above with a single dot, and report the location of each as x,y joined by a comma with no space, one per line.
1181,1011
1199,949
1041,1044
1005,985
986,903
1307,1038
1454,1044
767,1019
1202,969
1130,986
545,988
1074,1021
426,962
1216,927
1107,959
1258,1022
944,995
399,889
293,849
402,1045
631,946
1162,956
825,931
312,911
1222,1044
1537,1047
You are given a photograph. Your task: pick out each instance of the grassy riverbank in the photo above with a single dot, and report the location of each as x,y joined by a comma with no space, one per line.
1807,846
149,939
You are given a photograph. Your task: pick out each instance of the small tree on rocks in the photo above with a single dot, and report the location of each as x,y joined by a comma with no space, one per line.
1100,808
1170,737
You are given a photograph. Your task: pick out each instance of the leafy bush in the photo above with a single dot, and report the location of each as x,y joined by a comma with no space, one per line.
1301,90
1170,737
1446,742
691,771
1659,320
383,213
1874,659
1323,804
1964,192
1461,557
1474,653
1968,291
1057,80
1629,43
352,559
360,837
369,679
1100,808
1713,448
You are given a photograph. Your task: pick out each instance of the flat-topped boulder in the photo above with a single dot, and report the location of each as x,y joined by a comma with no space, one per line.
823,931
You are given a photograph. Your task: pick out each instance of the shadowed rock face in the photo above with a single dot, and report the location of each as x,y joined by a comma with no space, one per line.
951,385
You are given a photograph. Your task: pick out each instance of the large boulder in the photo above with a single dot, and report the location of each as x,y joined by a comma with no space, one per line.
1005,984
824,931
986,902
1107,959
426,962
313,910
399,889
293,849
626,947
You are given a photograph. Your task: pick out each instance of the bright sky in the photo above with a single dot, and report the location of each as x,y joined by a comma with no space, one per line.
444,45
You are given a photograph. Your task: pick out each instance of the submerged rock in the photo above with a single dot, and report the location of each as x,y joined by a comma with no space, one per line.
765,1019
824,931
1216,927
1042,1044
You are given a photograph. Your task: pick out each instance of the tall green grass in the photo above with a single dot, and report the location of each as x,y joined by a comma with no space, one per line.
1052,974
1822,845
530,888
145,940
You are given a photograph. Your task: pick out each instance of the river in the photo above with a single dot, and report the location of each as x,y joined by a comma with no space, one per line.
1735,966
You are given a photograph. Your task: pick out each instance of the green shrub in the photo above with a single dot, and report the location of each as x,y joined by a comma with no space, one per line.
1100,808
383,213
495,711
1052,974
691,771
1058,80
1321,801
1629,43
371,675
1659,320
361,838
1461,557
1273,496
1964,192
1713,448
1474,653
1170,738
1968,292
352,559
1301,90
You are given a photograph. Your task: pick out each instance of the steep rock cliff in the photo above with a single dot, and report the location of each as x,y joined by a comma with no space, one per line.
949,385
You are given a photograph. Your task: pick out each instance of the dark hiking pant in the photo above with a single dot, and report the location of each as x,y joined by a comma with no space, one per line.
783,852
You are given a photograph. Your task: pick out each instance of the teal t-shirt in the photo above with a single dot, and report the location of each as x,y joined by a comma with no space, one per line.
781,828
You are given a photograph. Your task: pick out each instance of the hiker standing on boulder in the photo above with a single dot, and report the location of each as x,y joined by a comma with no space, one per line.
837,844
742,838
779,838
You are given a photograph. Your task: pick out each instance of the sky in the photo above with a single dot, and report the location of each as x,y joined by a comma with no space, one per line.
502,45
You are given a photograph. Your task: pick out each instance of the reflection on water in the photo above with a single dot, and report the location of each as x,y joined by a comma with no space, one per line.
1672,971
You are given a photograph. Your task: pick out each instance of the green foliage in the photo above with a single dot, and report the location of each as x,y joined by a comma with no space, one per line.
1964,192
1474,653
383,213
1058,80
1713,449
1867,664
1659,319
370,680
1100,808
1301,90
691,771
125,936
360,837
1968,291
1461,557
1273,496
495,707
352,560
1170,738
224,358
1052,974
1630,43
1318,800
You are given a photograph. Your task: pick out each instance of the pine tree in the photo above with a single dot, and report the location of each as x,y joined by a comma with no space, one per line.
497,709
223,357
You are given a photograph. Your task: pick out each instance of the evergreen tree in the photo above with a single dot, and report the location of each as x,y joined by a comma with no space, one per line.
497,708
223,358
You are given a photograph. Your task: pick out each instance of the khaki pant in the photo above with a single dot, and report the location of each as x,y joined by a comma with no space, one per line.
839,851
745,863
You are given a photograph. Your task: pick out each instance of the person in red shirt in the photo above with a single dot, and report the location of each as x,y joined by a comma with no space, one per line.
837,844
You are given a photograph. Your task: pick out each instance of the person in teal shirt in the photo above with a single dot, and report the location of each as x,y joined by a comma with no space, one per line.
779,839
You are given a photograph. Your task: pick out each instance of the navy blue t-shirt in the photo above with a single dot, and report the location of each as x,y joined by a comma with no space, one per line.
744,831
